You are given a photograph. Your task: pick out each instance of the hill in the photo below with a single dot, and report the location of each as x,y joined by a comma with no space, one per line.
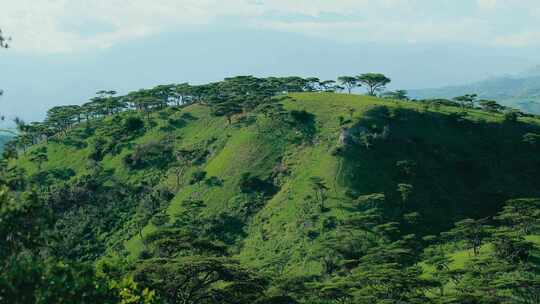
300,198
521,91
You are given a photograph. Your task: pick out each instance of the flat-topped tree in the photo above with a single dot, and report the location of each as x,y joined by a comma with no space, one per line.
147,103
312,84
349,82
396,95
61,118
374,82
490,105
327,85
107,103
467,100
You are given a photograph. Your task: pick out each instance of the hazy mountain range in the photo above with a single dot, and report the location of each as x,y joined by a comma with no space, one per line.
520,91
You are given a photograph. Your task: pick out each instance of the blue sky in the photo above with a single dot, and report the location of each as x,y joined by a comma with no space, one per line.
65,50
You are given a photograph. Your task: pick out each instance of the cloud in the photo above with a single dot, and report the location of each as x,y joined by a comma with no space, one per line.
469,31
61,26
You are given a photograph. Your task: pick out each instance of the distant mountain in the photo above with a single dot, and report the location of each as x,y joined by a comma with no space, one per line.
533,72
520,91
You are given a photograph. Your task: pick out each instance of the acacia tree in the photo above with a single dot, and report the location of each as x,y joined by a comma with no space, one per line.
374,82
522,215
397,95
327,85
471,231
62,118
467,100
348,82
197,279
490,105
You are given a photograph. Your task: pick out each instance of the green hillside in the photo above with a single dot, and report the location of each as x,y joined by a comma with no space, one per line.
300,198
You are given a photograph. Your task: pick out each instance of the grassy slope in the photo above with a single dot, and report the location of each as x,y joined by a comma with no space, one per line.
277,233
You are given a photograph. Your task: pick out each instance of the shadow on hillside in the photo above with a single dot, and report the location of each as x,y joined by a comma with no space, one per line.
457,168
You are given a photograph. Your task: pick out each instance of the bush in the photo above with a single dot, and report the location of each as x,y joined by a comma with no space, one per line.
254,184
152,154
133,124
302,117
511,116
197,177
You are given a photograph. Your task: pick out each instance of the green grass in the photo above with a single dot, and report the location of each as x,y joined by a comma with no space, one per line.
277,233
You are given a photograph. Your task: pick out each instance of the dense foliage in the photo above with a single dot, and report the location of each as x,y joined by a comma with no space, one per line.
272,190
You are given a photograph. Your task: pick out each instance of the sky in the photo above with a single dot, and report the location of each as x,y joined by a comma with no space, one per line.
63,51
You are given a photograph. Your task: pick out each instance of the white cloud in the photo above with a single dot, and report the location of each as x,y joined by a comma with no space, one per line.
469,31
73,25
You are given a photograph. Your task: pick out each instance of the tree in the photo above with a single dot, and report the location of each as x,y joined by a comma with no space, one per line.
466,100
227,109
511,116
522,215
493,280
490,105
438,259
397,95
327,85
21,223
39,156
348,82
194,280
390,283
129,292
374,82
61,118
49,281
108,102
312,84
405,192
472,232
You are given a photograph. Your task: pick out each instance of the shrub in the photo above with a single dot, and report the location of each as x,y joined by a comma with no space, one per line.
302,116
197,177
252,184
133,124
152,154
511,116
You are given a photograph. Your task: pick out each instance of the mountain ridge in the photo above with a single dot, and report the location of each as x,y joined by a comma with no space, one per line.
520,91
